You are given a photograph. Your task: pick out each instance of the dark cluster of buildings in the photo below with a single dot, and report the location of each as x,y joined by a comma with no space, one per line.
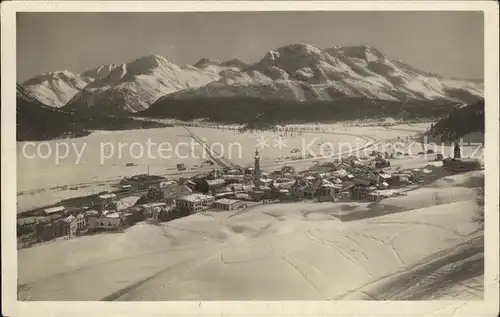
160,199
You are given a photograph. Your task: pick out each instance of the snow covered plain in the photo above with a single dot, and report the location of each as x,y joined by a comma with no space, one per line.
41,181
295,251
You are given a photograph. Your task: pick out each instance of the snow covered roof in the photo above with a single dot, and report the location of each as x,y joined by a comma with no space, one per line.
195,198
91,212
70,218
113,215
215,182
266,180
227,201
328,186
107,196
53,210
152,205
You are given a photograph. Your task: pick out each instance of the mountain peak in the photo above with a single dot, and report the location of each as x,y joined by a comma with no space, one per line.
293,57
300,48
99,71
204,62
234,63
49,77
150,61
364,52
55,88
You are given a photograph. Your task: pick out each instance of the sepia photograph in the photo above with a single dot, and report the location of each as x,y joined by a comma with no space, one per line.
252,156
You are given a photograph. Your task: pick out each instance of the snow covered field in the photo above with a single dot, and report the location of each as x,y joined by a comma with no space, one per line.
42,181
295,251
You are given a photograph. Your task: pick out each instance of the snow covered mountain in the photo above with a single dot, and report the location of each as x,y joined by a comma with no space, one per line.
36,121
55,89
466,122
136,85
98,72
224,69
303,72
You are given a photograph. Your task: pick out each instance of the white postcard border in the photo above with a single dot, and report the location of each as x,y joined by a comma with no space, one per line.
12,307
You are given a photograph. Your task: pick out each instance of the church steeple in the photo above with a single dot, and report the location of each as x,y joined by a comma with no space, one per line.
457,151
256,168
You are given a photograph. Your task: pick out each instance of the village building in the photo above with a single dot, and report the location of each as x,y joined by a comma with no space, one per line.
153,210
59,210
106,201
228,204
260,193
233,178
46,231
266,181
144,181
377,195
285,195
325,192
304,191
72,225
81,222
26,225
284,183
107,196
111,221
194,203
360,192
172,192
384,177
90,213
214,185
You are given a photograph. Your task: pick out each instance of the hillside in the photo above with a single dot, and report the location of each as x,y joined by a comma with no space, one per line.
466,121
136,85
302,72
98,72
225,68
252,109
36,121
55,89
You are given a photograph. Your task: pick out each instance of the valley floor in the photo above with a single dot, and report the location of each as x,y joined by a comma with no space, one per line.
42,182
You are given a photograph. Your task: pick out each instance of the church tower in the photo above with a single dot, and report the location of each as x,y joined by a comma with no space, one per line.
256,171
457,151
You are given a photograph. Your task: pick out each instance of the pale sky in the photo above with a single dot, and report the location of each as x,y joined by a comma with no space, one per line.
447,43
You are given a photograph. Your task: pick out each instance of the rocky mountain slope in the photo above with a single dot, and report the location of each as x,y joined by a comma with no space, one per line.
224,69
98,72
296,73
57,88
36,121
254,110
339,83
303,72
136,85
465,122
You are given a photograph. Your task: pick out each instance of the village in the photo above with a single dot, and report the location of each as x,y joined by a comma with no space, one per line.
156,199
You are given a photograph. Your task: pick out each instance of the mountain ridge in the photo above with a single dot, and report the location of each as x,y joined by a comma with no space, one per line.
297,72
304,72
134,86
